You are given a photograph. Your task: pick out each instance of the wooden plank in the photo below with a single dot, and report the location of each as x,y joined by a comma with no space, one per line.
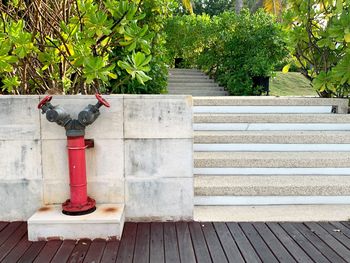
276,247
157,243
318,243
8,230
64,251
242,242
345,223
307,246
111,251
142,246
258,243
215,249
329,240
342,228
199,244
127,243
18,251
335,232
171,248
228,244
49,251
79,252
12,241
32,252
289,243
3,225
185,244
95,251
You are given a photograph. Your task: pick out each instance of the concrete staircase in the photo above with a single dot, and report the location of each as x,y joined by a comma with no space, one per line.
192,82
271,159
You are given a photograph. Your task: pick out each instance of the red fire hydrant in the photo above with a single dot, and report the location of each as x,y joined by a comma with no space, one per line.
79,203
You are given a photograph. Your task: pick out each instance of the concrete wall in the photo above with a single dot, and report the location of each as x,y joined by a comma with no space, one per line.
142,155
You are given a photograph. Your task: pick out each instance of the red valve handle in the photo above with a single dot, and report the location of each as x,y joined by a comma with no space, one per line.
44,101
102,100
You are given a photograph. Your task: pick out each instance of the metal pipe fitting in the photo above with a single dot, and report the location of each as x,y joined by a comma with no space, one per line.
79,203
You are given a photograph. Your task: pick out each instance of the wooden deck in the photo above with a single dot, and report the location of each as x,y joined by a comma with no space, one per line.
189,242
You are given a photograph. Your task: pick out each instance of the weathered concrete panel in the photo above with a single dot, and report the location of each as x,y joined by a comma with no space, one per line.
107,191
109,124
341,104
19,118
55,191
158,117
55,160
159,158
159,199
20,198
20,160
158,155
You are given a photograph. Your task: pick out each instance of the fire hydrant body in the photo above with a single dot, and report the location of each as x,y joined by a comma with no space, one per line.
79,203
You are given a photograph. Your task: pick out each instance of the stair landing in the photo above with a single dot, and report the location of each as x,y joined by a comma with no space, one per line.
193,82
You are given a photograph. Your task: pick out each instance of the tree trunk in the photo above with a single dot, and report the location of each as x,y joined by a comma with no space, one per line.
238,6
257,5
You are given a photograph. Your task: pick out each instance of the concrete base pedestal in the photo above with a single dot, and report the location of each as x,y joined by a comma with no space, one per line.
49,223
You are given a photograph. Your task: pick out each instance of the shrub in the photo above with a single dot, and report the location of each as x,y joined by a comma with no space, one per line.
231,48
254,48
319,37
186,37
78,46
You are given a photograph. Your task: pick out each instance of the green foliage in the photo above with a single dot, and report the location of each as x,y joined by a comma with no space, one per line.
231,48
187,36
319,37
155,14
212,7
81,46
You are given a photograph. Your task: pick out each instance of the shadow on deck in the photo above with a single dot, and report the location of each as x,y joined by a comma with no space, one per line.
189,242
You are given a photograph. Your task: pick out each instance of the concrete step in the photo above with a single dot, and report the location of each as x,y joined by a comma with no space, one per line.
271,213
271,126
189,80
271,118
273,137
50,223
193,91
271,200
193,85
199,93
263,109
340,105
188,77
233,171
212,88
184,70
187,74
271,159
272,185
265,147
205,89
